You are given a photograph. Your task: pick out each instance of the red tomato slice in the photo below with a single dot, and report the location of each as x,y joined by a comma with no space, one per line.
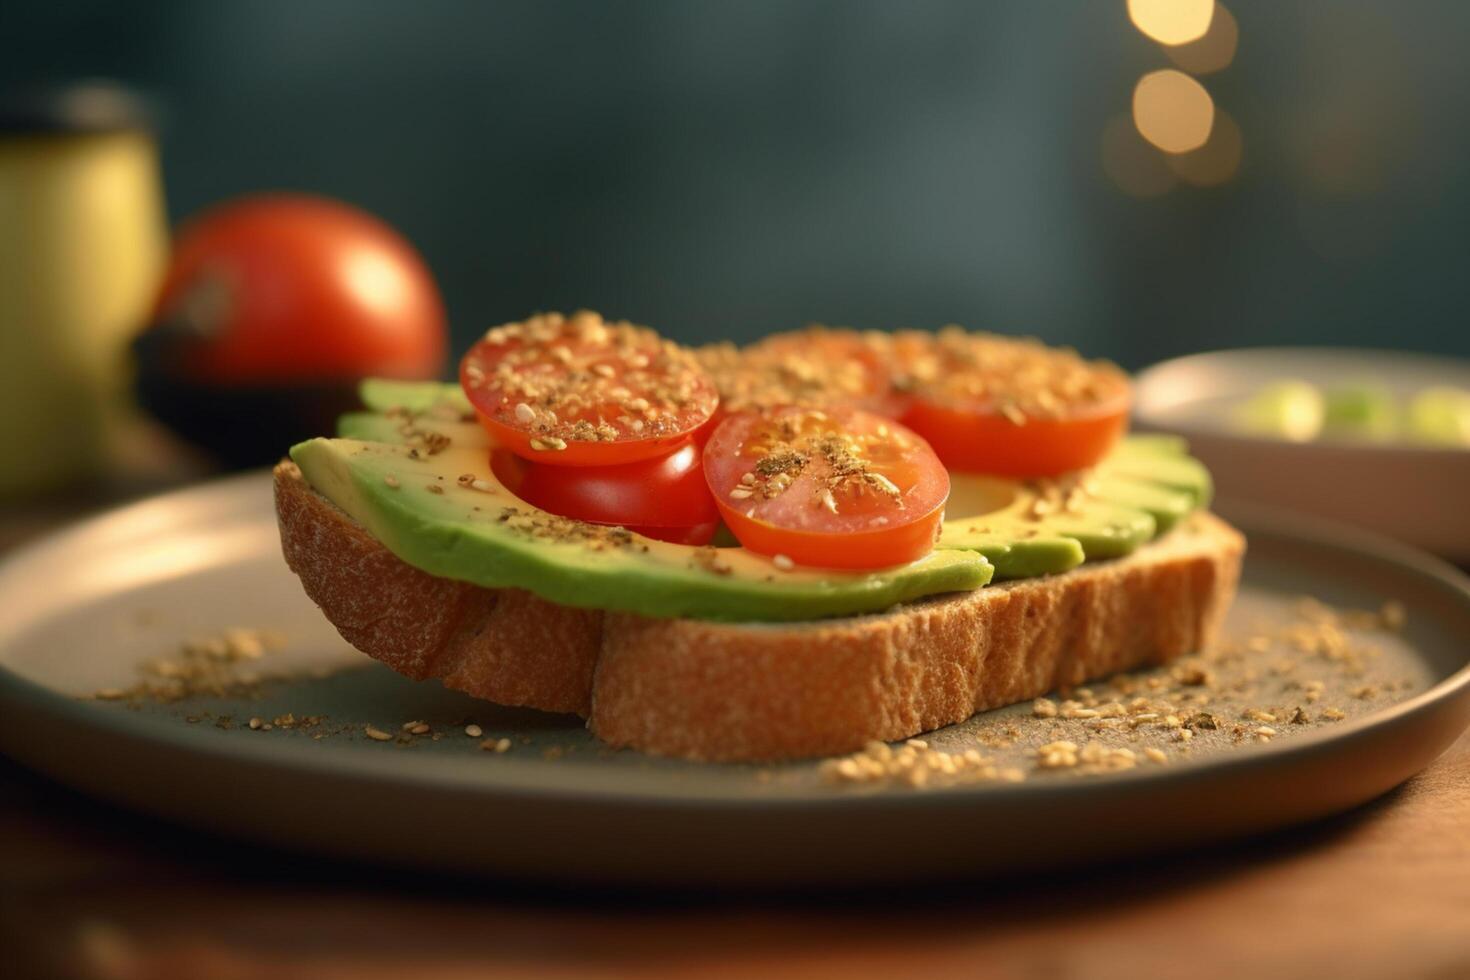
665,498
819,367
577,391
1010,407
835,488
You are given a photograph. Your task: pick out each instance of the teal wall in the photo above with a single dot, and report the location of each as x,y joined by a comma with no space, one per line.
727,169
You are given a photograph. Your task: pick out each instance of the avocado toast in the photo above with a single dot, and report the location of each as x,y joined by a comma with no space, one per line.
407,534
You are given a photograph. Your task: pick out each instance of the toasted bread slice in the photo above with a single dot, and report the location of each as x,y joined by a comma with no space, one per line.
757,691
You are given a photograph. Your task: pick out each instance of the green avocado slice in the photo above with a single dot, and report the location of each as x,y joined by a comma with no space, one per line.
411,428
982,515
383,395
1024,532
1142,489
1162,461
474,530
1167,505
405,411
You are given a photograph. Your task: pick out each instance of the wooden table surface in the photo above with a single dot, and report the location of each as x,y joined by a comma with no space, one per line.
90,891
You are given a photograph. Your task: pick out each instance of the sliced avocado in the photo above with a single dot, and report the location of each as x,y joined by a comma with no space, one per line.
1167,505
1162,461
1288,408
446,514
413,412
1365,410
981,515
405,429
1151,444
1025,532
1440,416
1142,489
383,394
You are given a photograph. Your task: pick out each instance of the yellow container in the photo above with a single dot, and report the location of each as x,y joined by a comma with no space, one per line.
83,241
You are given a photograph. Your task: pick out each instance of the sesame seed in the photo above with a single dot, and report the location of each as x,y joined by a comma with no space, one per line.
255,724
782,562
914,765
524,413
1155,755
886,484
473,731
376,734
391,480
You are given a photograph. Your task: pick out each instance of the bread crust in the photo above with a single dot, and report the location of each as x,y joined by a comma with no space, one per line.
755,692
503,645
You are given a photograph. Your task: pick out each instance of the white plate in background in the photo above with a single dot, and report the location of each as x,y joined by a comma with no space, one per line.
1416,493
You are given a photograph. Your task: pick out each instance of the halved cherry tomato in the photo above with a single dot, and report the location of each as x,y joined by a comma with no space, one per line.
577,391
835,488
1010,407
665,499
818,367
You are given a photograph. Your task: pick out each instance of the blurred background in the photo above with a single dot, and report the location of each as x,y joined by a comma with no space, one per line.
1136,179
723,170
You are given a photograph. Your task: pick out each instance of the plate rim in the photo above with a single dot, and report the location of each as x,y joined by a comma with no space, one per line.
519,779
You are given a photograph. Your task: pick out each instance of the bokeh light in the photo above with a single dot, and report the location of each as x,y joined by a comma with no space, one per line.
1173,111
1172,21
1215,162
1138,169
1212,52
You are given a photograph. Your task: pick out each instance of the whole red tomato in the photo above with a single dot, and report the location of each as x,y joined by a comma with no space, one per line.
291,288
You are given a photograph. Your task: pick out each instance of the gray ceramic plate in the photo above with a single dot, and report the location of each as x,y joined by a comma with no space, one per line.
88,608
